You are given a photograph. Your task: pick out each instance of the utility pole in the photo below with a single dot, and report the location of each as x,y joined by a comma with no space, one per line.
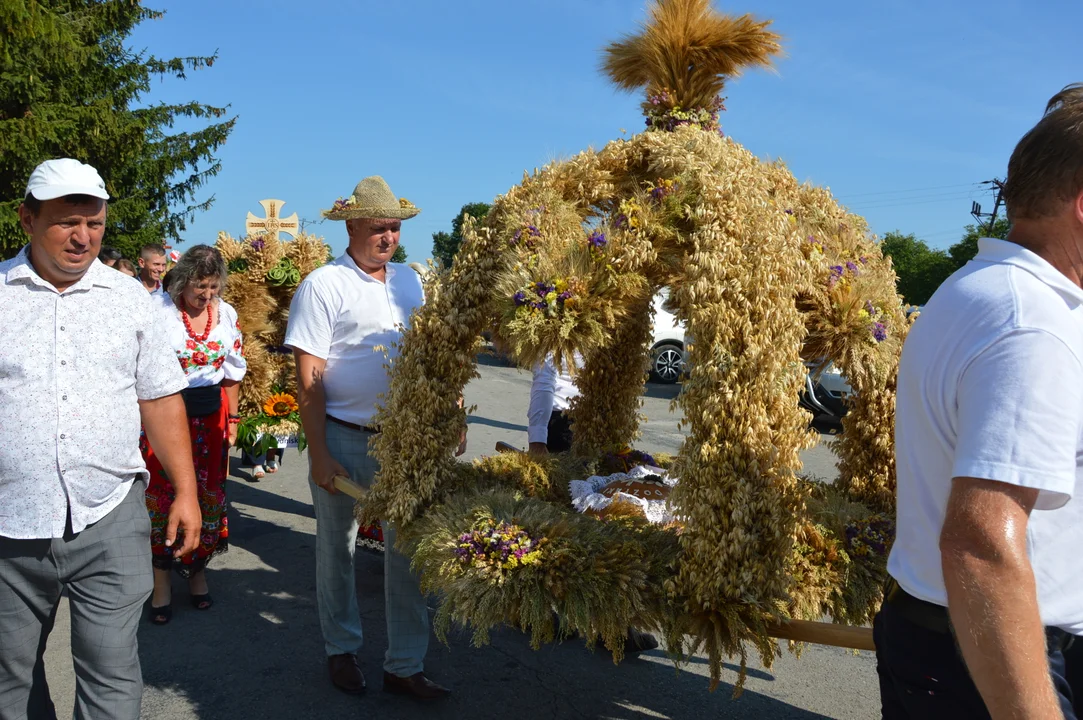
975,207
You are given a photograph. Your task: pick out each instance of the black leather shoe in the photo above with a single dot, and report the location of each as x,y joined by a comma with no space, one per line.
345,674
417,685
638,641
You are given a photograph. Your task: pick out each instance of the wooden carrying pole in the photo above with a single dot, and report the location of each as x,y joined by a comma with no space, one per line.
821,633
345,485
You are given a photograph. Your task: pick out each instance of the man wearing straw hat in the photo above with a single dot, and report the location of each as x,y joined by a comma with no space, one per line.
340,318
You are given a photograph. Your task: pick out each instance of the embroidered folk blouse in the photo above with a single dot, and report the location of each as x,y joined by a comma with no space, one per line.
219,357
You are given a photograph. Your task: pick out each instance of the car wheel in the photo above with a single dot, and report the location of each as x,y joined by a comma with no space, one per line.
667,362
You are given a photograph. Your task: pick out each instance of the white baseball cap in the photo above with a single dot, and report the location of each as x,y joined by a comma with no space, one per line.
65,176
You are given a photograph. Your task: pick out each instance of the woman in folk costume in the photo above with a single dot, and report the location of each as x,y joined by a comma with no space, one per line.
203,330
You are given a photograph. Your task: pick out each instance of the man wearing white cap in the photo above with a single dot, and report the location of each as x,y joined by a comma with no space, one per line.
81,366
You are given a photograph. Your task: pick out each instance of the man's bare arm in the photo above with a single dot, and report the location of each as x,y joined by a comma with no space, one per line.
992,597
166,424
313,408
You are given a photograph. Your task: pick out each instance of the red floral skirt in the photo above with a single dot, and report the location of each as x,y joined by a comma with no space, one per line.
371,536
210,451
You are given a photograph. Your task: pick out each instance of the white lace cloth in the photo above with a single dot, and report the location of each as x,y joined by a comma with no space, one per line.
586,494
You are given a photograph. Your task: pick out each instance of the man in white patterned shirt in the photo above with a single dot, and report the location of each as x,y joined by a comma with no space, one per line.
81,365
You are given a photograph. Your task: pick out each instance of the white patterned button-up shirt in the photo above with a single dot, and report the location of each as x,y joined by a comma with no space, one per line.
73,367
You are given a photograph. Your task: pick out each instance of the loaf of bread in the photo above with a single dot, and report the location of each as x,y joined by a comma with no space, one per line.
649,487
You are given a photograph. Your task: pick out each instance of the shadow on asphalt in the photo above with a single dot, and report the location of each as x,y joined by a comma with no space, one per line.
661,391
478,420
494,359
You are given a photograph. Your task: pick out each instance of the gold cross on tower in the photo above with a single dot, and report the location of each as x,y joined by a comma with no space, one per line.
272,224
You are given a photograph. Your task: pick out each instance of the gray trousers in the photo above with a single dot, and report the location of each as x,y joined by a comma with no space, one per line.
336,584
106,571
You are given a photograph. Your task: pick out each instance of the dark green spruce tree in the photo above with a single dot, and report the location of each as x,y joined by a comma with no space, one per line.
70,86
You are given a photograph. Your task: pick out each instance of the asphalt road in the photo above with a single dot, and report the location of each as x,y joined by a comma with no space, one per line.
258,653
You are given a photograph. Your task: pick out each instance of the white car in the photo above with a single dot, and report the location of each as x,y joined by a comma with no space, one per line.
825,396
669,355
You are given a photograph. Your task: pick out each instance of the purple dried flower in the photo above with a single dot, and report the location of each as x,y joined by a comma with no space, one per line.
257,244
533,231
879,331
836,274
597,239
564,295
852,267
520,298
789,212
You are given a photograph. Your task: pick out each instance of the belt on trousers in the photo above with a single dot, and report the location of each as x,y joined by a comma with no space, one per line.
354,426
935,617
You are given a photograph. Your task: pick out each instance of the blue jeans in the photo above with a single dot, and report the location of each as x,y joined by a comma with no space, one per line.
923,676
336,585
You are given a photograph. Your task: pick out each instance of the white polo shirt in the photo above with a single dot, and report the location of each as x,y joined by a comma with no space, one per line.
991,386
345,316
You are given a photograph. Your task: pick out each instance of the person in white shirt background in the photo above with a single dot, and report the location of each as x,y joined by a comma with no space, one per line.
203,332
340,316
151,266
82,363
549,428
986,586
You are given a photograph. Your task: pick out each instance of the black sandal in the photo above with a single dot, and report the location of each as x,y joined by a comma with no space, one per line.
202,602
161,615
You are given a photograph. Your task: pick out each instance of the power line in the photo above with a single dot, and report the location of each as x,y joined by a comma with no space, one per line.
914,190
975,207
911,198
940,233
912,201
953,198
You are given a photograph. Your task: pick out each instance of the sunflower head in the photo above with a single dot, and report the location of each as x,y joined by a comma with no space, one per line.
280,405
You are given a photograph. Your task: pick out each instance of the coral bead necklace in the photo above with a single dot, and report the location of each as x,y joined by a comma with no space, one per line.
188,325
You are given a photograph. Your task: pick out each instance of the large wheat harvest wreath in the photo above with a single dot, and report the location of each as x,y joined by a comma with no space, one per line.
765,272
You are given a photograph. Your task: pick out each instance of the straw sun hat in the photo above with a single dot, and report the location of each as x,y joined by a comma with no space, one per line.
372,198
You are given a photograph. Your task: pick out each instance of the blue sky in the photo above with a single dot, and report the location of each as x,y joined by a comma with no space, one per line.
900,107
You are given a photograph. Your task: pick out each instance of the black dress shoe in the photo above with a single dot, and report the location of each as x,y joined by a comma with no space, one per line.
345,674
638,641
417,685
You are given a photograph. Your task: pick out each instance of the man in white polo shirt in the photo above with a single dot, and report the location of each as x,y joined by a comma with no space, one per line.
341,317
987,565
